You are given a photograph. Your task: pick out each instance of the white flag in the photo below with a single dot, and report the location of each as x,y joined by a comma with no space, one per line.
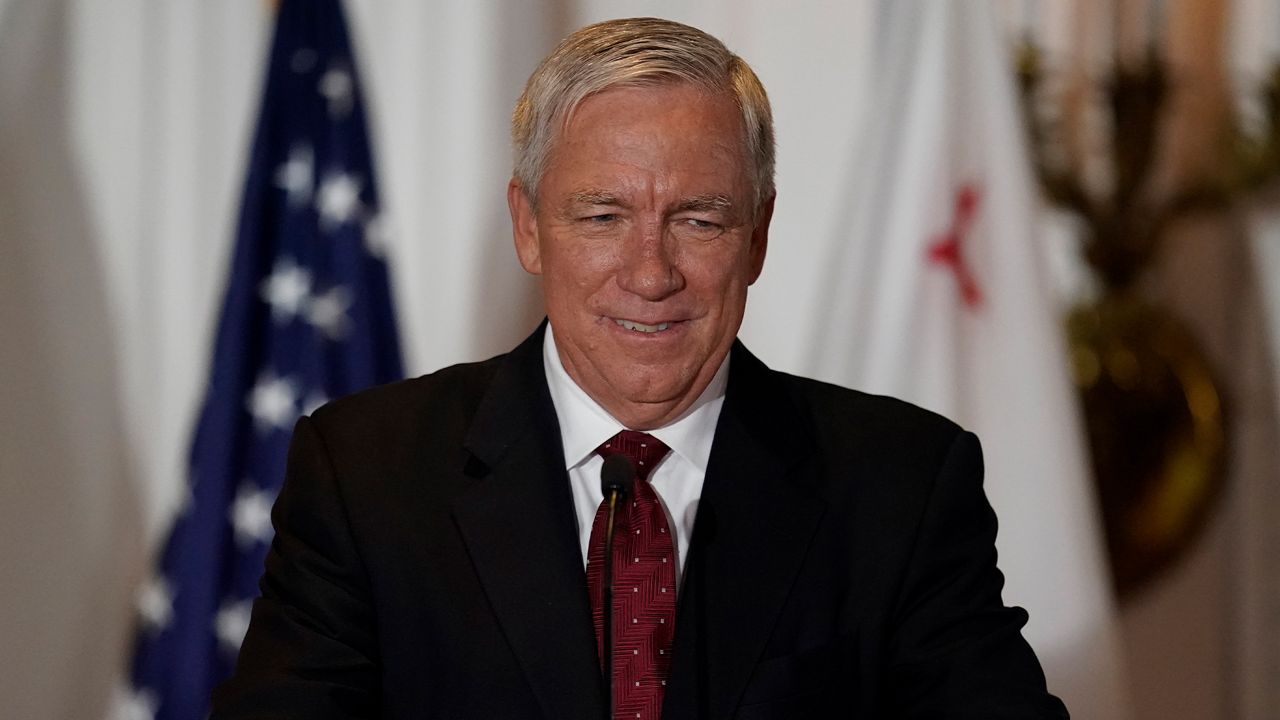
938,295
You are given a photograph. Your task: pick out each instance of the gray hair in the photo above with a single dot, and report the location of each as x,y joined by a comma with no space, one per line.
636,52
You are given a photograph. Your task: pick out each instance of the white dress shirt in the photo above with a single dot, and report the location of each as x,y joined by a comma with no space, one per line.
677,480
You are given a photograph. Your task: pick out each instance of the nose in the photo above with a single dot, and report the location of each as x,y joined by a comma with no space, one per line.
648,266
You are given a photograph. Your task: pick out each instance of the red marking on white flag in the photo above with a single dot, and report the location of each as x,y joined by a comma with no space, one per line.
945,249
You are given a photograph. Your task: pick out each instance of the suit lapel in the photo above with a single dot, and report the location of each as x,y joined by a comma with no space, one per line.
519,528
754,525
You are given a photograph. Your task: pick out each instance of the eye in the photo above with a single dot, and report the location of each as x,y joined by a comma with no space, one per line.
600,223
693,229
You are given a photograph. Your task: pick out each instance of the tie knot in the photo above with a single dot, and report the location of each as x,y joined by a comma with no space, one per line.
644,450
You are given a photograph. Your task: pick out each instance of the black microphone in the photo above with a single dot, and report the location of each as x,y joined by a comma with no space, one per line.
617,476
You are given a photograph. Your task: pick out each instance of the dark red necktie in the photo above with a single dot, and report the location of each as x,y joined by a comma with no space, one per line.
644,585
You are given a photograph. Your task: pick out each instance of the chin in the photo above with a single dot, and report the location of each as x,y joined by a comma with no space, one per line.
649,384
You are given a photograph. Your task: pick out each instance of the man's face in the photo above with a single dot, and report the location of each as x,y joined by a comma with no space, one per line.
647,237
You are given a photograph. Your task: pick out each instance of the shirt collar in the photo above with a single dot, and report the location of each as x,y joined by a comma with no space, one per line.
584,425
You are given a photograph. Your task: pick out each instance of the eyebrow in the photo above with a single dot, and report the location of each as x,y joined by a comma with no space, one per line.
714,202
704,203
593,197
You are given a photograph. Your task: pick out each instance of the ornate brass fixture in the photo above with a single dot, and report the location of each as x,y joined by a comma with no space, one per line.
1154,414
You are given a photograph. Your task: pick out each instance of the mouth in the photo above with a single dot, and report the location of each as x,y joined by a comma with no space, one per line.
642,327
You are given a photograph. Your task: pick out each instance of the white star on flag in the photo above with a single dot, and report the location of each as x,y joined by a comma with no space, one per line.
250,515
377,236
297,175
285,289
232,622
155,604
328,312
130,704
338,199
338,88
273,402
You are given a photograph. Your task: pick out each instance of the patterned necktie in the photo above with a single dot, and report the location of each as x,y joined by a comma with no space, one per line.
644,582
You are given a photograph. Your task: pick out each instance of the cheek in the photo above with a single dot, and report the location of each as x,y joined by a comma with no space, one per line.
577,275
583,258
723,277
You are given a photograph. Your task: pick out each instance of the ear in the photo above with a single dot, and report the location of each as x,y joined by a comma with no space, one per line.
760,238
524,228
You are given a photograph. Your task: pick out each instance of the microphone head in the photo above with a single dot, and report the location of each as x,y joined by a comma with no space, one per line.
617,474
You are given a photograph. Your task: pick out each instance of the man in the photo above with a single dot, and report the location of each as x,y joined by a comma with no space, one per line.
789,549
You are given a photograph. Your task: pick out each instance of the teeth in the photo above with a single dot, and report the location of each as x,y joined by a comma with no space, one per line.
641,327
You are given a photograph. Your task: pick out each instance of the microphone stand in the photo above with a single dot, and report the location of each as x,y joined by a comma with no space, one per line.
617,476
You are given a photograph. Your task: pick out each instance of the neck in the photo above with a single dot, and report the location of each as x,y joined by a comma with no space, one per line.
643,414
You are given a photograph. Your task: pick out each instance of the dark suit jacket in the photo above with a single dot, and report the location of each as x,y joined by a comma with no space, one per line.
426,563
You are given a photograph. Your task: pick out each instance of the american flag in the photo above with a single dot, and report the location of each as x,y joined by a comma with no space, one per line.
307,317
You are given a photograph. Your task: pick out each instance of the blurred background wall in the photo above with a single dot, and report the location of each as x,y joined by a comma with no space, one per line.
124,128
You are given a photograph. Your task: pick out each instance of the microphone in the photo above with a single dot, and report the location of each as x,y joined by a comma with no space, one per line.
617,477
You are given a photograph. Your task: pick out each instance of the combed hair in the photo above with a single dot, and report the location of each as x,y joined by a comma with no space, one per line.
636,52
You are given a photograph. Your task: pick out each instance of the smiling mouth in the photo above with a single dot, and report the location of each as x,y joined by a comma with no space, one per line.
641,327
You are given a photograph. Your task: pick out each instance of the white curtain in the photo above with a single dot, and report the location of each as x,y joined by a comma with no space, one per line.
123,131
68,513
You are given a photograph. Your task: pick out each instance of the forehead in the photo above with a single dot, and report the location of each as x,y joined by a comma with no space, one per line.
669,131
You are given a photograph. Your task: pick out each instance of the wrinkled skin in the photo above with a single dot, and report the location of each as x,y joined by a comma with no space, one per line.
646,215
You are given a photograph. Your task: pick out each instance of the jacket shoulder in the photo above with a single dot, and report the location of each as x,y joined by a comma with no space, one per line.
885,436
876,415
444,400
